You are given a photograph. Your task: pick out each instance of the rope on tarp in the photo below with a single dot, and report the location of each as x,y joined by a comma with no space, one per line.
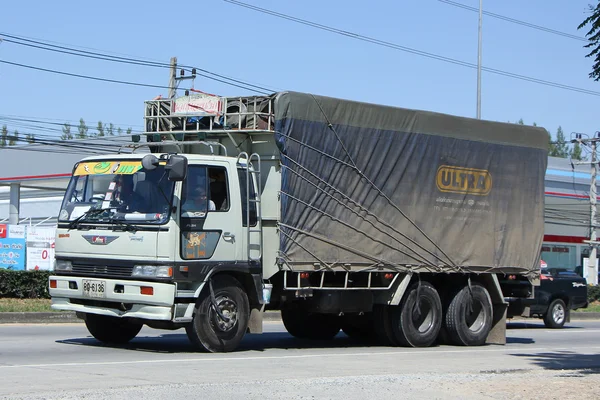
387,263
304,145
422,259
413,223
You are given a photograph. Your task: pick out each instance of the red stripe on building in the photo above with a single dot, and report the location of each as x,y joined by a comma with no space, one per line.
27,177
564,239
576,196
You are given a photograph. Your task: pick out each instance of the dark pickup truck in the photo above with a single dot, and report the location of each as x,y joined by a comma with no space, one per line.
560,291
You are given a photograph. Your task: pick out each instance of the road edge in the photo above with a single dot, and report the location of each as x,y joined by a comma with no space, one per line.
69,317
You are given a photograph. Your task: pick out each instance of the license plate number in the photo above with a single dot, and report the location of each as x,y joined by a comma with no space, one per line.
95,289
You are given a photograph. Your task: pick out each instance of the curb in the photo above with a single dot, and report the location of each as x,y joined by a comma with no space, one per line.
69,317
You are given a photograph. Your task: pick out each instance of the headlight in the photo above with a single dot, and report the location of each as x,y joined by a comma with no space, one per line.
154,271
63,265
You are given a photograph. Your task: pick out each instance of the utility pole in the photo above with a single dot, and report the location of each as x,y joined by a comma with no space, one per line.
173,78
592,270
479,61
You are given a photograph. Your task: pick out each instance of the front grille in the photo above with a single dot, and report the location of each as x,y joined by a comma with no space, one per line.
102,270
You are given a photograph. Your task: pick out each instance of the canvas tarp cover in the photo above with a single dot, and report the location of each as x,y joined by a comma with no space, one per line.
365,185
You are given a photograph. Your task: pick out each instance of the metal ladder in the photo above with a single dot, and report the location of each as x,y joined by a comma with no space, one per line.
253,175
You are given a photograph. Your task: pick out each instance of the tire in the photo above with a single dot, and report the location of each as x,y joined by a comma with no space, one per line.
208,330
417,320
111,330
359,327
303,324
469,319
556,316
382,324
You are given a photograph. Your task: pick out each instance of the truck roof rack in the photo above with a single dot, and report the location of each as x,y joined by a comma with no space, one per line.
202,113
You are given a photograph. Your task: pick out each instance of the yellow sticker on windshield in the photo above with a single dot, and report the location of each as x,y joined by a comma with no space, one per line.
108,167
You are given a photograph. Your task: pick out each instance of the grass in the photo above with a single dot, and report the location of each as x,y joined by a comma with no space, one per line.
592,307
25,305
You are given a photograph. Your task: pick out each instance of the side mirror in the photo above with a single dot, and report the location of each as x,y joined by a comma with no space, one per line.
149,162
177,167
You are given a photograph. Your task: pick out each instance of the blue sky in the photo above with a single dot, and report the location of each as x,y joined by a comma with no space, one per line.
283,55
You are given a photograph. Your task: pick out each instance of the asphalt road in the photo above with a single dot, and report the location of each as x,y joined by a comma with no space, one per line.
61,361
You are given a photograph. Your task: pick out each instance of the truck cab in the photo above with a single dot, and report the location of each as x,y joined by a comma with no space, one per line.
138,236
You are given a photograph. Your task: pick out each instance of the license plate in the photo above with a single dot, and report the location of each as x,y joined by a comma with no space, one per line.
96,289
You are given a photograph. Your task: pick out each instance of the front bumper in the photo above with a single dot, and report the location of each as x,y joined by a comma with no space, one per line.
123,298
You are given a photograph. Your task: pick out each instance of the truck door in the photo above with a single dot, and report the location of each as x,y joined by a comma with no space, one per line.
210,221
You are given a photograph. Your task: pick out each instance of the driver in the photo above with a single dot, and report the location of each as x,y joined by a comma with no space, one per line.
127,198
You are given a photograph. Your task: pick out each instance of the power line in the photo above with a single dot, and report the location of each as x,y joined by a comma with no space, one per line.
413,51
84,76
53,121
24,121
132,61
515,21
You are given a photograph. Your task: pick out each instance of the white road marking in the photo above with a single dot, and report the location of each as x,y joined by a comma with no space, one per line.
305,356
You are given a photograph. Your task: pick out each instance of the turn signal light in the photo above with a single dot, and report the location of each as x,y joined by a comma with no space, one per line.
53,283
304,275
147,290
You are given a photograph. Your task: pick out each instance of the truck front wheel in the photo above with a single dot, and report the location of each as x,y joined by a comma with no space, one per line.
111,330
469,316
221,316
556,315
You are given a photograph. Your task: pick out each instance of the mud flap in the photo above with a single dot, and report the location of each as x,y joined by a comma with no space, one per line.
255,324
497,334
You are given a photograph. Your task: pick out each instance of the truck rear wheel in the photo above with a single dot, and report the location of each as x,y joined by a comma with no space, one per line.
556,316
222,330
469,316
416,322
306,325
111,329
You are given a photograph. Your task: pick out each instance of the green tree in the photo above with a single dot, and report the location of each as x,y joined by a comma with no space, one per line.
12,140
66,135
561,149
100,128
119,131
3,137
593,36
551,145
576,152
128,131
30,138
110,129
82,129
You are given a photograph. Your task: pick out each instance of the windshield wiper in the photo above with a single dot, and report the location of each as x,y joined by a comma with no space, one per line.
125,226
91,212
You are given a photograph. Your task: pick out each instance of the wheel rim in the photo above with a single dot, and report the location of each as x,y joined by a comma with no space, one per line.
422,315
558,313
475,318
229,309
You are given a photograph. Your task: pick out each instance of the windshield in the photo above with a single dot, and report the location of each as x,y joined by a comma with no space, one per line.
117,191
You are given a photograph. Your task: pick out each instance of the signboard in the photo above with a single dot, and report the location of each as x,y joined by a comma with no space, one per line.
198,104
3,231
40,248
108,167
12,247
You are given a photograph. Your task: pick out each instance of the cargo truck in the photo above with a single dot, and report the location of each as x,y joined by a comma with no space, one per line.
406,226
